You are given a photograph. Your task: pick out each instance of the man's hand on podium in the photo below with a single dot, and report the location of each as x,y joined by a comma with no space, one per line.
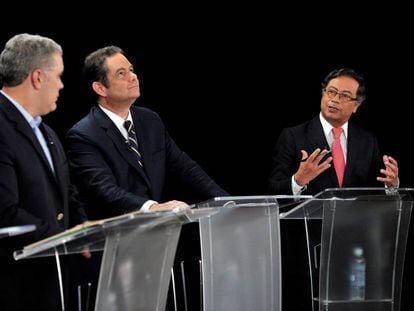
173,205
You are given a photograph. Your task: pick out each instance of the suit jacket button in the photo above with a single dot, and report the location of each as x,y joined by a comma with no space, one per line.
60,216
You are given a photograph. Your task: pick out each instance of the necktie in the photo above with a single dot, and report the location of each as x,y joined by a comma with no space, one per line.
338,155
132,140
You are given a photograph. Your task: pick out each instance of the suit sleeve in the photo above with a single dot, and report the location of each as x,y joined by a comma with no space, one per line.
90,171
11,211
285,162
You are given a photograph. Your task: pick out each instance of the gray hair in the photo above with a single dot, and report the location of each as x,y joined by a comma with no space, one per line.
24,53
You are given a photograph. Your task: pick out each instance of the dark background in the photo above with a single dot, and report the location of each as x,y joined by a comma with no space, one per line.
226,80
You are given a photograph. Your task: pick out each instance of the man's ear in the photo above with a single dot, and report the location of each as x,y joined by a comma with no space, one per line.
36,78
99,88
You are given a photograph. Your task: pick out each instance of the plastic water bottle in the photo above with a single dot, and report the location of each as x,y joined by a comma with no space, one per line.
357,277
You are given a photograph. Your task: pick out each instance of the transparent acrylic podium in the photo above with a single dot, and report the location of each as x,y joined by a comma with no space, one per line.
139,251
16,230
357,260
240,248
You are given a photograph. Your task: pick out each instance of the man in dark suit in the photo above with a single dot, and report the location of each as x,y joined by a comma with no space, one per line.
117,173
109,174
301,161
302,164
34,175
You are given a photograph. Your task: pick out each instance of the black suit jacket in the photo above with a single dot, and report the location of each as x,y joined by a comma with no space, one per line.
108,174
362,165
30,193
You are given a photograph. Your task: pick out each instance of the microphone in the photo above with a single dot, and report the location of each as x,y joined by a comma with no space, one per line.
46,135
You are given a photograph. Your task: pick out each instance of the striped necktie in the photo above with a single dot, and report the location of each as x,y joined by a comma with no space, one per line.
132,140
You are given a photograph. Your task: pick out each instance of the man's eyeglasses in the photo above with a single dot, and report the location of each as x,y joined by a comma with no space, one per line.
343,97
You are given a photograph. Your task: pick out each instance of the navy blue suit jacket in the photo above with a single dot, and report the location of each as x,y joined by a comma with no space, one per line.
362,166
30,193
108,174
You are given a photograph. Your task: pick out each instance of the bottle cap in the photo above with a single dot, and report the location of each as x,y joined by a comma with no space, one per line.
358,251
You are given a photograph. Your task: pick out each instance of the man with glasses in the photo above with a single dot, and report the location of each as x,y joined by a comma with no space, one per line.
303,164
302,160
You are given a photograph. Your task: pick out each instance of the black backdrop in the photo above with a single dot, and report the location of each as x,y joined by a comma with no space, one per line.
226,81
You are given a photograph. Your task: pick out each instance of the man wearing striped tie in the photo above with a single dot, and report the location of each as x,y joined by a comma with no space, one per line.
120,154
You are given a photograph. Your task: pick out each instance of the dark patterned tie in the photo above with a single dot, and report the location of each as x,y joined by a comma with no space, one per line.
132,140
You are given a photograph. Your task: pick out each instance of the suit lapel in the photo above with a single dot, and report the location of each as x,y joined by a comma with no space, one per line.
317,139
316,136
119,141
24,128
140,133
144,144
353,149
56,158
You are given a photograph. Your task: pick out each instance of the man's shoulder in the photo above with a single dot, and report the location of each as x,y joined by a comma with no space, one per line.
357,130
146,116
143,111
86,122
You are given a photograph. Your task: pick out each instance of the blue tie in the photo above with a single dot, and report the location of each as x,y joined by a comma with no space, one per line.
132,140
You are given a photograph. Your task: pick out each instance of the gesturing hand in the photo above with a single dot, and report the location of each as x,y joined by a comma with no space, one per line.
311,166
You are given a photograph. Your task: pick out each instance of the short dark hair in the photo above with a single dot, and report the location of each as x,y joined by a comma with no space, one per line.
95,68
348,72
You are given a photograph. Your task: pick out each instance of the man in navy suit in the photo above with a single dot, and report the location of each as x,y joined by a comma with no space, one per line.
303,164
34,173
113,177
104,166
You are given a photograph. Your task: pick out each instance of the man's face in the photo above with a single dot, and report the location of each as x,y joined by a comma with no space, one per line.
51,85
123,84
338,101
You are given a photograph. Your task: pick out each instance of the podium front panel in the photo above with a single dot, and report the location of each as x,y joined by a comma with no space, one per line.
136,269
356,242
138,253
241,255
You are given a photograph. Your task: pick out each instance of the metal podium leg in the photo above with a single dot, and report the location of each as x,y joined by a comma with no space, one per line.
184,285
62,298
84,302
174,289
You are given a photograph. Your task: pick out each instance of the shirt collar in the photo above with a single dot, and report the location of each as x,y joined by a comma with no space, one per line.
119,122
33,121
327,127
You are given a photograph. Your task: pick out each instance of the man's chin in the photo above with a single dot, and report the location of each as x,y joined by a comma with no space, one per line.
51,109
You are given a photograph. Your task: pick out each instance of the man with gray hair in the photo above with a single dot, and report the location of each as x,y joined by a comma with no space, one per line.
34,177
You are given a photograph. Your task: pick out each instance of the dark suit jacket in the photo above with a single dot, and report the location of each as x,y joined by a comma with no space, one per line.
362,165
108,174
31,194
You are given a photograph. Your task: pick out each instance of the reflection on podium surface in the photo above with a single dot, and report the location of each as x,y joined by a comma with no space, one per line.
16,230
138,253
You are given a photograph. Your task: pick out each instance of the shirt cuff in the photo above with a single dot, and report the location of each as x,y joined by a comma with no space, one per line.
296,189
145,208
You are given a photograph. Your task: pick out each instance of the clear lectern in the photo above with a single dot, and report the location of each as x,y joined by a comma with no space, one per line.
139,251
356,244
240,248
